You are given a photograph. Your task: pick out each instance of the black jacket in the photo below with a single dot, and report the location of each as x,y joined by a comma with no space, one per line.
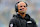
18,21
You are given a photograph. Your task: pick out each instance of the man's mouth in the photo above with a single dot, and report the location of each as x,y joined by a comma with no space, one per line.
22,9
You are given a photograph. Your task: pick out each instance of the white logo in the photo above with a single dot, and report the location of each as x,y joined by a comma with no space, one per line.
29,21
11,25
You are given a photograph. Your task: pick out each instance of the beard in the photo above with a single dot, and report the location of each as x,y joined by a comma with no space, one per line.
22,12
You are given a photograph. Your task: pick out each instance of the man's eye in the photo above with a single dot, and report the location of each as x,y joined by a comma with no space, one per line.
20,6
24,6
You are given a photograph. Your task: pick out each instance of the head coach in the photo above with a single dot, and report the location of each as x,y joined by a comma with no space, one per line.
22,19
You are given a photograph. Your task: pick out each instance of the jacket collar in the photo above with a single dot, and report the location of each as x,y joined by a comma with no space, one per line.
27,17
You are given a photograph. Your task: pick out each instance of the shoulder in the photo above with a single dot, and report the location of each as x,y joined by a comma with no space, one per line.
33,20
14,18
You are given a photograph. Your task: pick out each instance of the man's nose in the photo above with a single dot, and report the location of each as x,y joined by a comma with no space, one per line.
22,7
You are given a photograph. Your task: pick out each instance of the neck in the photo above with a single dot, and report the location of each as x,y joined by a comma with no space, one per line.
22,14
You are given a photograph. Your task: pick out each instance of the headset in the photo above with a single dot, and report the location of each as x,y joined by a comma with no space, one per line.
16,7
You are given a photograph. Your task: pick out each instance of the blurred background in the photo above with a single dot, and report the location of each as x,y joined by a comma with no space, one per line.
7,9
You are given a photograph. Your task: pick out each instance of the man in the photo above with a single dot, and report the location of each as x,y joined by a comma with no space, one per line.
22,19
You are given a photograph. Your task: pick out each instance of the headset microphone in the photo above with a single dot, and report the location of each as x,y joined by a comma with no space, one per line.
20,9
